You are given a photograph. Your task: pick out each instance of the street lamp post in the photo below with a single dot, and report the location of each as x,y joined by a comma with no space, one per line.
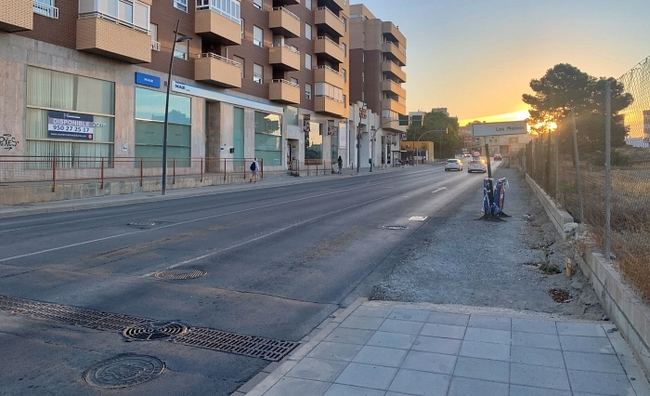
446,131
177,39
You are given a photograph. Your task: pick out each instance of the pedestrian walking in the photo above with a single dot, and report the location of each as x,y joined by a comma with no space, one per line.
340,164
254,168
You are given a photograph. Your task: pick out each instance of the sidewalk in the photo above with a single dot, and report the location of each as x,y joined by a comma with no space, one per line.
390,349
7,211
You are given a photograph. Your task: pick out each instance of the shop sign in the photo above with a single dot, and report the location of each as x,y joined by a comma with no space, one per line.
71,125
147,80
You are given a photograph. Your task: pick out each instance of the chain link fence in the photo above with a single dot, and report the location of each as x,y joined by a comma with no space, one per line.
577,180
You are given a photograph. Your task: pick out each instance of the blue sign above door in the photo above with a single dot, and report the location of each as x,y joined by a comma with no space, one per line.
147,80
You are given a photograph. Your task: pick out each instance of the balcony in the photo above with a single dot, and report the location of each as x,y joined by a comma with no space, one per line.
46,10
284,22
393,105
329,106
325,74
16,15
216,69
388,28
107,37
392,86
284,91
217,22
388,123
329,48
329,21
394,69
285,57
335,5
395,52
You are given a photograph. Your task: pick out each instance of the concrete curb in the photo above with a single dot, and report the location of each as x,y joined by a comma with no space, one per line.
629,312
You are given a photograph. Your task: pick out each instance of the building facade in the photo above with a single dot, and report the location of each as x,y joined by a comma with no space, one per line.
264,79
377,56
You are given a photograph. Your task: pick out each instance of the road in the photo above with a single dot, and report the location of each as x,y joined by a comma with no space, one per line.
277,261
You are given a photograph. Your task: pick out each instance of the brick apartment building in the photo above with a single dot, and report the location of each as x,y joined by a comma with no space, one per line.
257,78
377,55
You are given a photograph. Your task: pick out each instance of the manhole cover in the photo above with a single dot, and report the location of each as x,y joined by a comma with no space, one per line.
394,227
179,274
123,371
560,295
154,331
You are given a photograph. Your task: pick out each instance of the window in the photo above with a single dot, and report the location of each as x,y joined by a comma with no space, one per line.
258,4
308,4
53,100
308,61
149,128
181,50
133,14
243,30
325,89
308,91
345,49
46,8
345,75
181,5
153,29
345,24
314,143
268,138
307,31
241,62
291,115
230,9
258,36
258,73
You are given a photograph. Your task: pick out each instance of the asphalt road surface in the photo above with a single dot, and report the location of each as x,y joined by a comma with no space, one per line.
277,262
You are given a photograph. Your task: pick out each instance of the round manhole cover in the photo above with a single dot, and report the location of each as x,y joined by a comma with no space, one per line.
123,371
394,227
154,331
179,274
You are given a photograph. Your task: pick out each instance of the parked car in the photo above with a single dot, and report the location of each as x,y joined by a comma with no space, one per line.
476,166
497,157
453,164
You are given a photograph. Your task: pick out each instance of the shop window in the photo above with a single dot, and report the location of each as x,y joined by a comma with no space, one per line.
268,138
70,117
149,127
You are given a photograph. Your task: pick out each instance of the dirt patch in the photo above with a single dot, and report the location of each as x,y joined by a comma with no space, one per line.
560,295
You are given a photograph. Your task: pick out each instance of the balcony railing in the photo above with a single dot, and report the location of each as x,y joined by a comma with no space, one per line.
286,11
219,58
47,10
134,15
230,9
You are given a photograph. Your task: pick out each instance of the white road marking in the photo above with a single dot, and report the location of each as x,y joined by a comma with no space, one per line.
438,190
418,218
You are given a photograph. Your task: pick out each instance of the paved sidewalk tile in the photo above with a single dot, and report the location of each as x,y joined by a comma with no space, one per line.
445,331
297,387
349,336
536,356
380,356
362,322
485,350
487,335
490,322
437,344
580,329
367,376
474,387
520,390
417,315
601,383
420,383
535,340
432,362
593,362
347,390
378,312
317,369
484,369
586,344
539,376
392,340
534,326
448,318
401,326
335,351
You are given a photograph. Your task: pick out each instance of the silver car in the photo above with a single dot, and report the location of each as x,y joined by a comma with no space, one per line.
476,166
453,164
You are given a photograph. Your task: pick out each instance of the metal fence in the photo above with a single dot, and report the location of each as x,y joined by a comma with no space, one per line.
609,193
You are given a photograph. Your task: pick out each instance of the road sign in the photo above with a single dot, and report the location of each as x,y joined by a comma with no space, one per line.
500,128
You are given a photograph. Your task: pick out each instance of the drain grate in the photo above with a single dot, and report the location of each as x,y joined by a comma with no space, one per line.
257,347
154,331
180,274
137,328
394,227
123,371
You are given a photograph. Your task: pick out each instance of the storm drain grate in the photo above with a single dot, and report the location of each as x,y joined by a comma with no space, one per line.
180,274
252,346
123,371
137,328
394,227
154,331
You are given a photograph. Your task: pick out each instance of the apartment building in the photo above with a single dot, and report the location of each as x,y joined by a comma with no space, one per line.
377,56
251,78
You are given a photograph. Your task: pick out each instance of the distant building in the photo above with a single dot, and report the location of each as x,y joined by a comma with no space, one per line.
442,110
416,118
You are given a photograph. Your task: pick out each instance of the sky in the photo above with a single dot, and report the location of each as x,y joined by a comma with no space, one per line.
477,57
